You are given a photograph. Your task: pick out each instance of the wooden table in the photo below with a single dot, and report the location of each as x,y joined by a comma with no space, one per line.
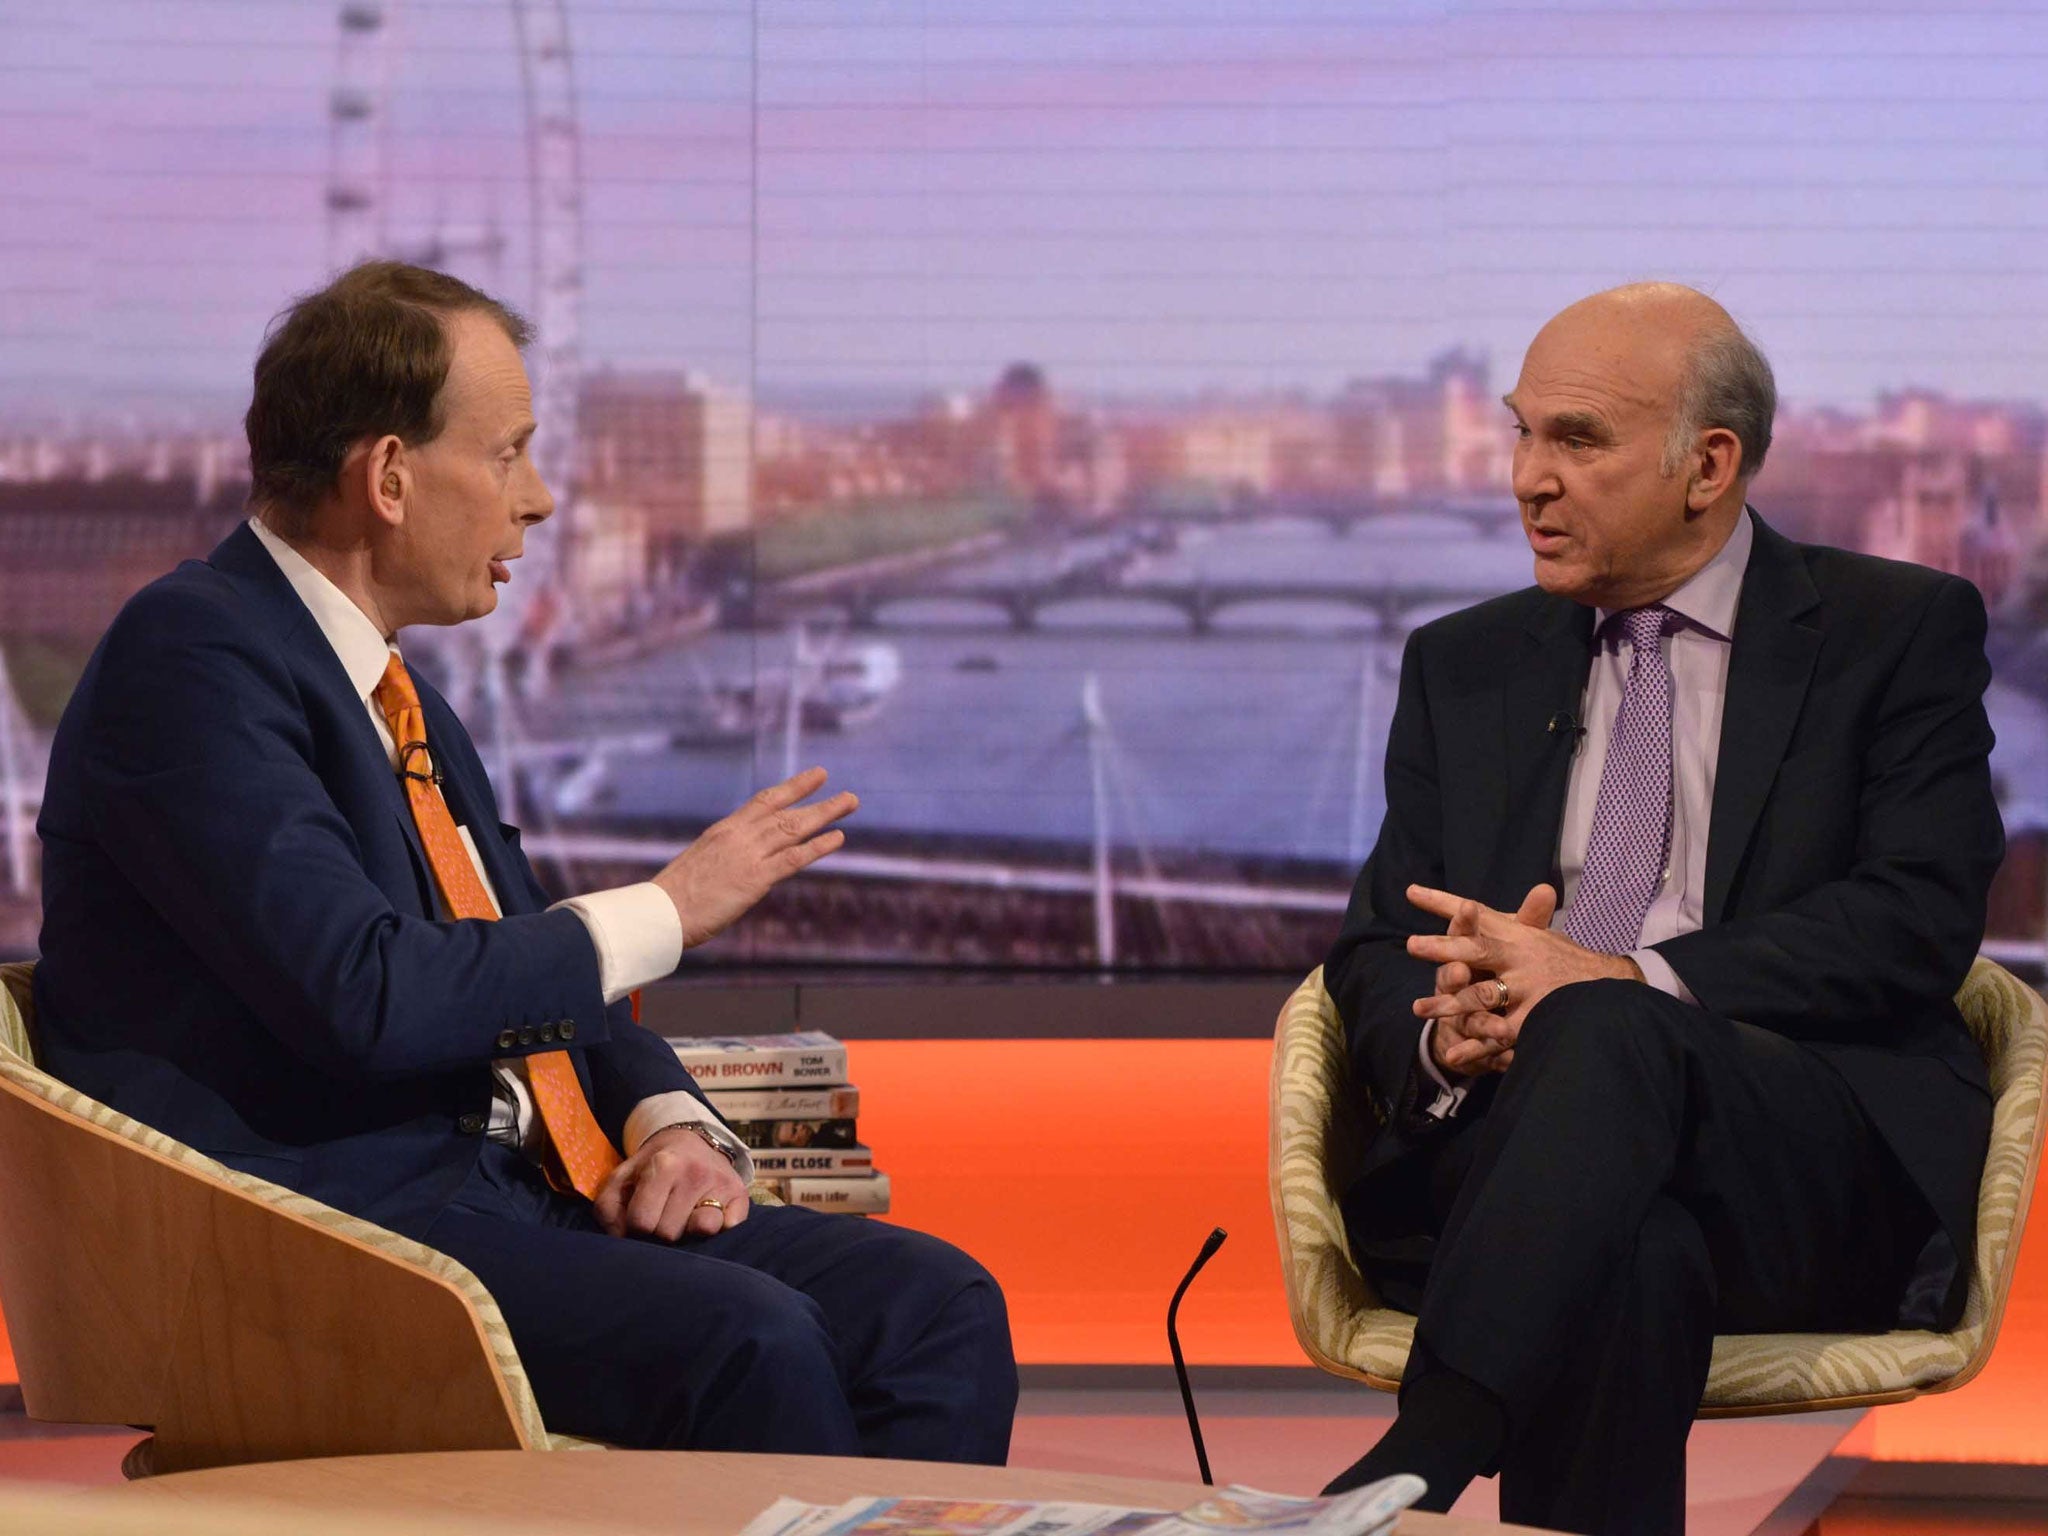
675,1493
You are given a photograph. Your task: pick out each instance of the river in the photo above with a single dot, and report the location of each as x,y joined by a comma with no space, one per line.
1258,740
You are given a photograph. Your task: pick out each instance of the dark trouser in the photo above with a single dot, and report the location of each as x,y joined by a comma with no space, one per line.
1647,1175
794,1331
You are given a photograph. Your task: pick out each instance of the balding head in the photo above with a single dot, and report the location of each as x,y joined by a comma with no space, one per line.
1710,372
1643,412
1660,306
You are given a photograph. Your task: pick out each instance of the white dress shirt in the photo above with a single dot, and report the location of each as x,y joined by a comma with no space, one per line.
635,928
1696,647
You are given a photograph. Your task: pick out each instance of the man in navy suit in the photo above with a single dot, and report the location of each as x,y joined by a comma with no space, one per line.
255,937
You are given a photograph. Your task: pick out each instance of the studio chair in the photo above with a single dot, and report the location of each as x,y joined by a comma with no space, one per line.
1319,1133
145,1284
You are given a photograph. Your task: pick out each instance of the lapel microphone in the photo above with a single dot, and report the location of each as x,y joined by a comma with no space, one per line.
1565,723
1180,1366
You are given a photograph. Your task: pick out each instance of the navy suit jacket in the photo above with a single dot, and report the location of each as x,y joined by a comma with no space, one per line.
240,939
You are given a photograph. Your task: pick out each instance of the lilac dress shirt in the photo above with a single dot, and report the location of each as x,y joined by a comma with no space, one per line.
1697,651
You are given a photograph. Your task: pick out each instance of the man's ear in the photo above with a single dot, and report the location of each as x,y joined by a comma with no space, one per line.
1717,462
386,479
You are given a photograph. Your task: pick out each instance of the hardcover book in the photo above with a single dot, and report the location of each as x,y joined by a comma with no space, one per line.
738,1061
861,1197
786,1103
795,1133
769,1162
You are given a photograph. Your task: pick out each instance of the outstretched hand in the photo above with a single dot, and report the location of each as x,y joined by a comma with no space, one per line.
737,861
1476,1029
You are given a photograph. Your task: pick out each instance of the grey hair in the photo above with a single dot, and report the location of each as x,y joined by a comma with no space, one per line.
1728,383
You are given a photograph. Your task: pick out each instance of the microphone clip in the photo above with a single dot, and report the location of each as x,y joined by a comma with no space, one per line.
406,770
1565,723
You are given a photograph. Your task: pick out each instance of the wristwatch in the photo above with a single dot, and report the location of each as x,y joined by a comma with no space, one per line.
711,1139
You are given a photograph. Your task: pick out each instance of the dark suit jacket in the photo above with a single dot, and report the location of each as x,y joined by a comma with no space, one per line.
240,944
1851,845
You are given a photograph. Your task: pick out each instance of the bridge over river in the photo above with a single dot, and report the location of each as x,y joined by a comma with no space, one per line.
1021,606
1394,572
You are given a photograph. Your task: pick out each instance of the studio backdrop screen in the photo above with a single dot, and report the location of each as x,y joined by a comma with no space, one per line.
1050,417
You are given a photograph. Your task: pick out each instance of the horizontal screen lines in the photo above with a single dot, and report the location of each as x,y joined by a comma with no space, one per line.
315,134
1090,20
238,173
1255,195
1279,268
1439,195
1090,152
982,319
426,47
898,105
739,9
208,89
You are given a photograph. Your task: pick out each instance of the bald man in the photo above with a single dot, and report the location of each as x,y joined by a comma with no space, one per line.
1649,980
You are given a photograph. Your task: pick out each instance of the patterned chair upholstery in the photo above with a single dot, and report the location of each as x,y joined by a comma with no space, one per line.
1318,1137
19,1072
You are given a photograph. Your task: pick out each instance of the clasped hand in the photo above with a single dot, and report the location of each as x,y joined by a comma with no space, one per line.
1473,1032
735,862
660,1190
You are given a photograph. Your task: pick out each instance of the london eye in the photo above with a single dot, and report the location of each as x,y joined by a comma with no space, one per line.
366,218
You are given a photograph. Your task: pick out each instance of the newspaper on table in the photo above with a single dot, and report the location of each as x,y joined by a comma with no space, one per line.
1233,1511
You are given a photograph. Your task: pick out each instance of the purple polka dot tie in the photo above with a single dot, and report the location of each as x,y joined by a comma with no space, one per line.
1632,815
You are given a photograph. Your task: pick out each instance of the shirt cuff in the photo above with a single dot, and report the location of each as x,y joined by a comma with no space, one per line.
638,935
660,1111
1450,1096
1658,973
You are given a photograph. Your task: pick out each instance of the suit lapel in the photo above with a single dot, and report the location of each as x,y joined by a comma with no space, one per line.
1557,642
1770,665
242,558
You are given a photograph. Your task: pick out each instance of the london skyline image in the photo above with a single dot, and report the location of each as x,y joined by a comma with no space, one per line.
1051,418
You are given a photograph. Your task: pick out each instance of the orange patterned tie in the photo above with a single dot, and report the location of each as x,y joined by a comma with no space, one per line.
587,1157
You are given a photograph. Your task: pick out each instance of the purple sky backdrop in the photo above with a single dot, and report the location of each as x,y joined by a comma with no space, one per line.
1142,197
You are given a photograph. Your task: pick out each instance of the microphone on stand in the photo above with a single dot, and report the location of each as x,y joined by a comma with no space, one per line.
1180,1366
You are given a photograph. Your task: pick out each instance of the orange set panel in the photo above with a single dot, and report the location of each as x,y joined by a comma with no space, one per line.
1085,1174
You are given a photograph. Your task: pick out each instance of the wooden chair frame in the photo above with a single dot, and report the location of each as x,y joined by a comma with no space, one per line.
146,1285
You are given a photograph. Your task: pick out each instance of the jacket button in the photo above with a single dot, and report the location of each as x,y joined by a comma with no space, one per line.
547,1033
568,1029
526,1036
470,1124
507,1039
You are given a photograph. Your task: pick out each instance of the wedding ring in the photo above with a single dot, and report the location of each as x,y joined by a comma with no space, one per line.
1500,994
716,1205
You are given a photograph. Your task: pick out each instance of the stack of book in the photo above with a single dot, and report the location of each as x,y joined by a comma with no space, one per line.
787,1098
